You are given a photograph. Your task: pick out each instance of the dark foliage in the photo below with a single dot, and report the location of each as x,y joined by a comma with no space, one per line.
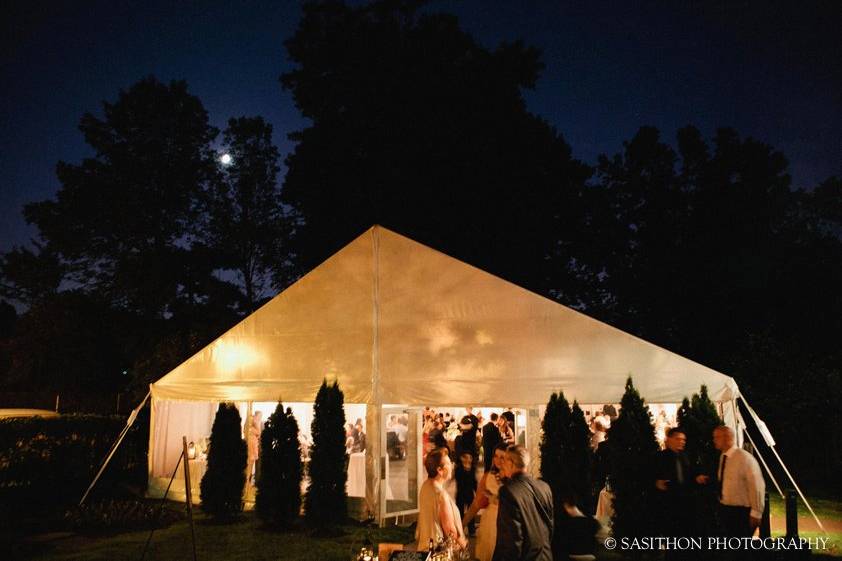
632,446
325,502
581,458
247,227
51,461
698,417
278,500
224,481
412,119
565,450
113,516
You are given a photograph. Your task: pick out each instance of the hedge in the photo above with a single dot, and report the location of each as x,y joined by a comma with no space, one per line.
51,461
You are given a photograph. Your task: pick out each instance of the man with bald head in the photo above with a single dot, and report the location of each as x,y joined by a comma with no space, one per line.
525,515
741,486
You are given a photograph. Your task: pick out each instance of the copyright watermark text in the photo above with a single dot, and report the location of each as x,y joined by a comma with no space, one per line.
654,543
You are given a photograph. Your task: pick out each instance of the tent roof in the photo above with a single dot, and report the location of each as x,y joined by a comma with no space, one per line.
397,322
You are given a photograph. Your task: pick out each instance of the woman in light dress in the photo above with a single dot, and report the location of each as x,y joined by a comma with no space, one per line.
438,516
255,427
487,497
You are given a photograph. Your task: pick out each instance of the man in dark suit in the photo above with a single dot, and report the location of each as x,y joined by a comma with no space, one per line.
525,515
674,480
490,439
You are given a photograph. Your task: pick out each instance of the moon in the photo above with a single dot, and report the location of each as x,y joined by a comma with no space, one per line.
225,159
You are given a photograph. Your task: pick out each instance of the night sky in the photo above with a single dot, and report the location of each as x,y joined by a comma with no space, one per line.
773,73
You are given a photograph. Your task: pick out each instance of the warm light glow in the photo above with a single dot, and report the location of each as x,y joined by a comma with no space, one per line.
231,357
483,338
226,159
440,337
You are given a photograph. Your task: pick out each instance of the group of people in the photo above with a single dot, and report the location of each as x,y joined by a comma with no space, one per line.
739,487
354,437
520,522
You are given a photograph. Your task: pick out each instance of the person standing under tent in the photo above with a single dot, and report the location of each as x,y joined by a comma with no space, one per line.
487,498
255,427
674,480
740,484
525,515
490,439
438,517
469,425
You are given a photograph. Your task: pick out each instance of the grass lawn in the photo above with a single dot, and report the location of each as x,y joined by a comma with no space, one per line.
247,539
825,509
243,540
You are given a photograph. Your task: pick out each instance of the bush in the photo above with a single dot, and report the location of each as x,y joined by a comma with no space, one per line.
111,516
278,498
53,460
632,446
221,489
324,504
697,417
565,450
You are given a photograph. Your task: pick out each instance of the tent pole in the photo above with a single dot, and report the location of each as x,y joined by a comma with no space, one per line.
762,461
129,423
783,465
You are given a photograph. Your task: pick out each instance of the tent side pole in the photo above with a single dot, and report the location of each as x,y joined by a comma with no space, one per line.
375,495
129,423
762,461
783,465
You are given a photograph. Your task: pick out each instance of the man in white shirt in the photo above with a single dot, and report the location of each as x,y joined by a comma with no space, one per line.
741,486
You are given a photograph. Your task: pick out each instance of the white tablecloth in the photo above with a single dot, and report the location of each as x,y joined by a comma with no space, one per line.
356,475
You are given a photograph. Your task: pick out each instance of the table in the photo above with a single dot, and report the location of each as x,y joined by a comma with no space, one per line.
356,475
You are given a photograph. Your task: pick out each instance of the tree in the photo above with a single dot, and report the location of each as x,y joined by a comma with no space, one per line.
698,417
69,341
324,503
221,489
418,128
123,220
28,276
278,499
565,450
632,445
555,443
581,457
248,227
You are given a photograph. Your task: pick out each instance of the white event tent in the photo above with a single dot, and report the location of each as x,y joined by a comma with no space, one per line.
401,326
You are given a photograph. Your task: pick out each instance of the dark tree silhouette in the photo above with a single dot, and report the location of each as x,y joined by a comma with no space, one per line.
581,458
417,127
247,226
223,483
565,450
325,502
123,220
278,499
632,445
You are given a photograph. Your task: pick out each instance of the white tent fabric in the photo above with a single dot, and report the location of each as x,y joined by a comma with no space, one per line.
396,322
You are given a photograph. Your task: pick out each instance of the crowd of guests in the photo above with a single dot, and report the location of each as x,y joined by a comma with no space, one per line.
521,519
354,437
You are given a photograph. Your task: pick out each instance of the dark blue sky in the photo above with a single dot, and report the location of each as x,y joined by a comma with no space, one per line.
771,71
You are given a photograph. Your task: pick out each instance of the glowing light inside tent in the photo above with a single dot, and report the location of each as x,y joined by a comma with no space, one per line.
235,356
483,338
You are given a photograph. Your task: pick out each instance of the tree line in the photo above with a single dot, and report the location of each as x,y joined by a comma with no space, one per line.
152,246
